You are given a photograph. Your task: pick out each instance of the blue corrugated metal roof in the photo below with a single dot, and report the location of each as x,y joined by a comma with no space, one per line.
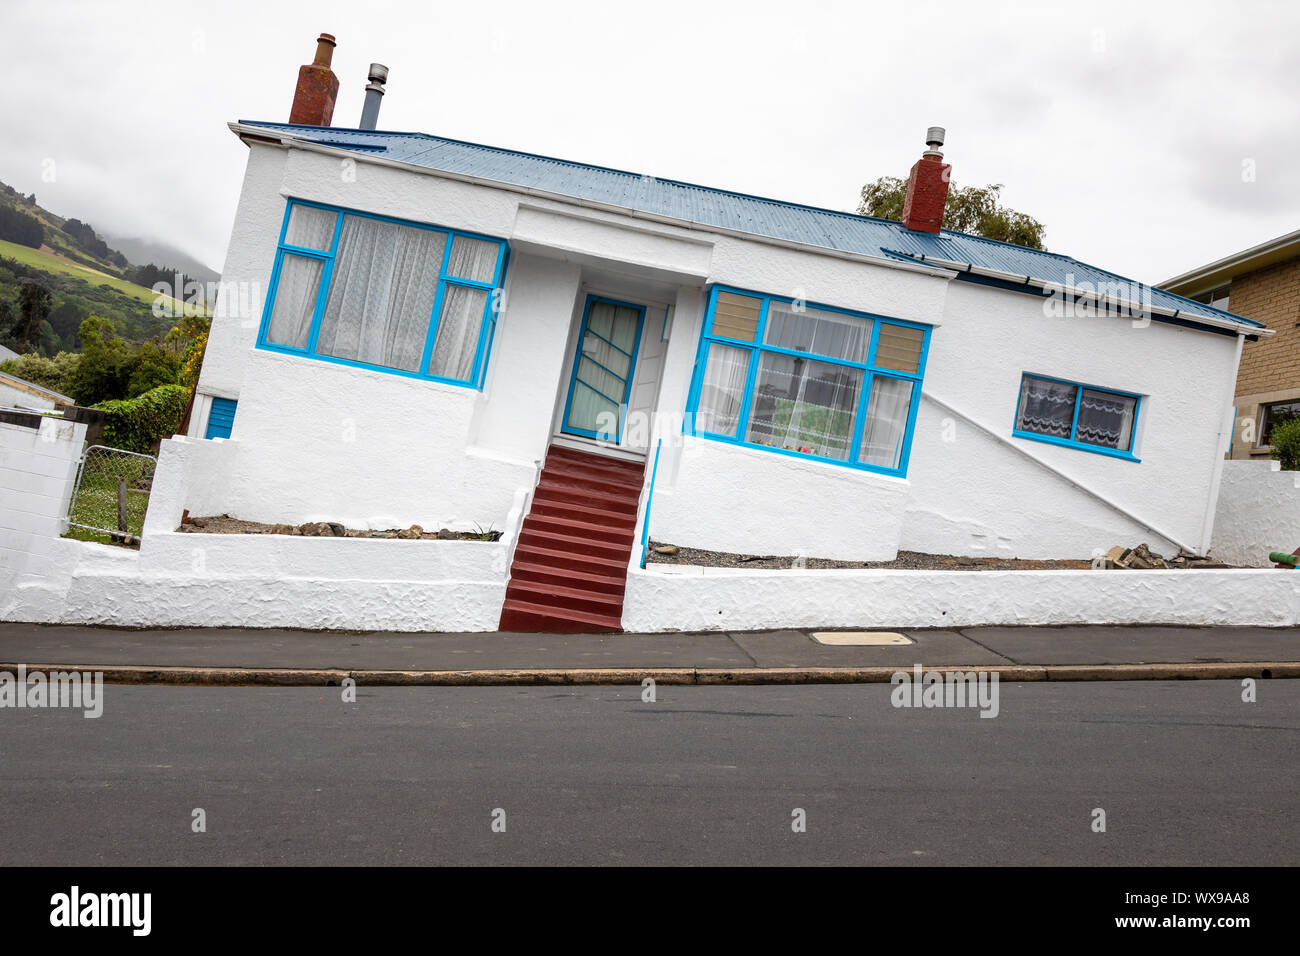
725,209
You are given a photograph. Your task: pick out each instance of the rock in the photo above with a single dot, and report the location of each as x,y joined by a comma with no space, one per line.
1143,557
414,531
1117,557
283,529
337,529
315,529
666,549
199,522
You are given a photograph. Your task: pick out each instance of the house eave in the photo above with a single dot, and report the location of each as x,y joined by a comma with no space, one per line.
260,135
1222,271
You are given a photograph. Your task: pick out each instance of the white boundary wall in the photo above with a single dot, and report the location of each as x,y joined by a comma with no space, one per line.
38,468
1259,512
190,579
672,598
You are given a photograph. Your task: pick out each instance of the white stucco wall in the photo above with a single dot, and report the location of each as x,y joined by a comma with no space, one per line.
318,441
38,469
667,598
971,494
1259,512
727,498
181,579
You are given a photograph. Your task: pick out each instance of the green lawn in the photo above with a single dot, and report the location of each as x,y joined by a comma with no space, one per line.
52,263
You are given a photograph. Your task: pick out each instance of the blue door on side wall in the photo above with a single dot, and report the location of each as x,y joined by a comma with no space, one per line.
603,369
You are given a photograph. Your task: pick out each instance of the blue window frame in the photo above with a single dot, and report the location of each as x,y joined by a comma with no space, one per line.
806,380
386,294
221,418
1087,417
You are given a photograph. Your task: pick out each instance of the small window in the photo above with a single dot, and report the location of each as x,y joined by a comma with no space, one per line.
1275,414
1081,416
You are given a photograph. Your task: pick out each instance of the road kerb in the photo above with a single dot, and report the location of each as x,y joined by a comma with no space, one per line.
542,676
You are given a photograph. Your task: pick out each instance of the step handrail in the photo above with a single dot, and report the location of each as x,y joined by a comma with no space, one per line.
645,524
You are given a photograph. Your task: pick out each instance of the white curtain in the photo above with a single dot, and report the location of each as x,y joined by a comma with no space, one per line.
886,424
381,295
473,259
1046,407
295,301
458,331
819,333
1106,419
722,390
311,228
803,405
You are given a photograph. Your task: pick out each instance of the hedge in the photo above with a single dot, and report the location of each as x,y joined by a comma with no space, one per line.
139,424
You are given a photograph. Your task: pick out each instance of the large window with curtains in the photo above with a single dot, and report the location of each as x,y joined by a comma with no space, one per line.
382,293
1092,419
810,381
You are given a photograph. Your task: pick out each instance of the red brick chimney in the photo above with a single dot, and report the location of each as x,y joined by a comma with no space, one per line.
927,187
313,100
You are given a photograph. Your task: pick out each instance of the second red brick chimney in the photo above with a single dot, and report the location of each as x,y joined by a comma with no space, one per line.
927,187
313,100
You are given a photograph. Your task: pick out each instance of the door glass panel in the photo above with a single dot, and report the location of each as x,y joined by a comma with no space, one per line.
602,370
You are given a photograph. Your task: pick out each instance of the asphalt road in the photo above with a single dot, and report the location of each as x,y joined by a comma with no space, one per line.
1186,772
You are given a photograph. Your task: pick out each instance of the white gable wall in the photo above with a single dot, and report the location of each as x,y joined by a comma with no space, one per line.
973,494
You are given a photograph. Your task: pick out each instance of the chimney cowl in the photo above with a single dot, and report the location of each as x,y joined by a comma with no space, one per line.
325,44
378,76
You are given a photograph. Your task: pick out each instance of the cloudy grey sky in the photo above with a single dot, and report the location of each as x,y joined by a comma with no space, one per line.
1148,137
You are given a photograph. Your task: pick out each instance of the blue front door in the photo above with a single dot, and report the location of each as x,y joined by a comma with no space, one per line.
602,369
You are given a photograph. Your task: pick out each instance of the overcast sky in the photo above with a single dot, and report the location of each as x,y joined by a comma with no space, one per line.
1149,138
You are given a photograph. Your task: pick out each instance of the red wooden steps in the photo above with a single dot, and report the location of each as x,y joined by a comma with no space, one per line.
570,566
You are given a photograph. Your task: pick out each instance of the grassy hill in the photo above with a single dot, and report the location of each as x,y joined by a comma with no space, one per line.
84,275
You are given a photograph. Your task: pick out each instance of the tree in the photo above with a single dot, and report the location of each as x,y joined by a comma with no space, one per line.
34,304
975,209
151,366
1285,439
104,370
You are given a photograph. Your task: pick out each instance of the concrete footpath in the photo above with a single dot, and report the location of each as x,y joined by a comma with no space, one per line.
230,656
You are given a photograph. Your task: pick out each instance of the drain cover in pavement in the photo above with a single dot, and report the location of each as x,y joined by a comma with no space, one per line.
860,638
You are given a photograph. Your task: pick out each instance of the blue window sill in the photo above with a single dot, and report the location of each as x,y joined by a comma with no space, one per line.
1077,445
752,446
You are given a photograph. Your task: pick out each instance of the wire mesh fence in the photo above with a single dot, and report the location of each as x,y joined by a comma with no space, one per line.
112,493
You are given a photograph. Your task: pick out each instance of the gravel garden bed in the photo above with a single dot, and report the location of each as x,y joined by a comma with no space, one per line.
906,561
225,524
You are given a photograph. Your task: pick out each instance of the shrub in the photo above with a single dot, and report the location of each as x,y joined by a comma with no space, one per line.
1285,439
139,424
56,373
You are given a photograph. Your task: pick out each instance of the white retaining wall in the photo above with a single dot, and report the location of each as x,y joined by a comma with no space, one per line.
671,598
193,579
38,469
1259,512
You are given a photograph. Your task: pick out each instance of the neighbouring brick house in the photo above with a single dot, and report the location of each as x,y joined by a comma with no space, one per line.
1261,283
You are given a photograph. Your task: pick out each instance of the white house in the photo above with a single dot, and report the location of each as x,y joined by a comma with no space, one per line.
416,330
